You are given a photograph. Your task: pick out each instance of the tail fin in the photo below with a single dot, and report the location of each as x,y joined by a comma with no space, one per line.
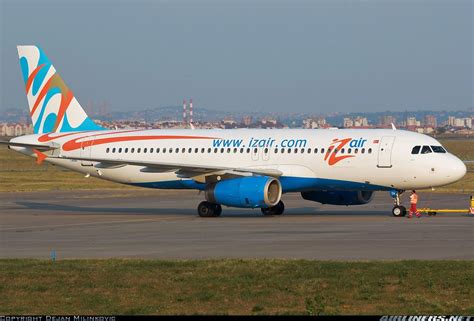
53,107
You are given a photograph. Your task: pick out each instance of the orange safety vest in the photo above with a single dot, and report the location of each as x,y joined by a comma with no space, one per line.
413,199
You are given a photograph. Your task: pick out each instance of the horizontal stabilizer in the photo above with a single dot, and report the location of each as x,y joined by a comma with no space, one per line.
36,146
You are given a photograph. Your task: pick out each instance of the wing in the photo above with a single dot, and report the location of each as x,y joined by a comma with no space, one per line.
199,173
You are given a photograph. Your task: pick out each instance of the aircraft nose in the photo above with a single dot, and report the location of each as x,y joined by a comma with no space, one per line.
457,169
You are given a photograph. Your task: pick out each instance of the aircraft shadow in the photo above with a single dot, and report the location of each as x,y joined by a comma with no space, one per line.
227,212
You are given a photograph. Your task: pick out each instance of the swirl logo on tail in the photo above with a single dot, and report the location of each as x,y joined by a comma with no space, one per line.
53,107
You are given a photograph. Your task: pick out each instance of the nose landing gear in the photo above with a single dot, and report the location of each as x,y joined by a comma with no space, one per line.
398,210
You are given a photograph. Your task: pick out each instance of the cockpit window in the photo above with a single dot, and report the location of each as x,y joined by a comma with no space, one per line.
416,150
426,150
438,149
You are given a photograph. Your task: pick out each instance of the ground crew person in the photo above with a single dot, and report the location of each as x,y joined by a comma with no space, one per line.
413,201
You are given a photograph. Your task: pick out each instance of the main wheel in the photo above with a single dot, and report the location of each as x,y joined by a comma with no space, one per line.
399,211
274,210
206,209
217,209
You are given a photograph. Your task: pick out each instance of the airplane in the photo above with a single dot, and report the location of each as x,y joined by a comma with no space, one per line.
243,168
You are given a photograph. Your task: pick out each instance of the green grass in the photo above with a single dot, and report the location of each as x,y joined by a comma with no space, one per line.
464,149
235,287
20,173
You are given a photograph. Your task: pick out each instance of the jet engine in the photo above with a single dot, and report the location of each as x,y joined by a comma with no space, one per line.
339,197
250,192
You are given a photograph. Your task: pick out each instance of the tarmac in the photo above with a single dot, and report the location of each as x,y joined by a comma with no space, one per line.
161,224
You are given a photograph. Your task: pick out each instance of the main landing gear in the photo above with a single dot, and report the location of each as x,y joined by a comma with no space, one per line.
208,209
398,210
274,210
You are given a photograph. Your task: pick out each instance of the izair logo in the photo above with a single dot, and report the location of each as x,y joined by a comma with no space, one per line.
337,145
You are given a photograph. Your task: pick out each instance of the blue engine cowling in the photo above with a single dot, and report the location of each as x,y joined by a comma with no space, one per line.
250,192
339,197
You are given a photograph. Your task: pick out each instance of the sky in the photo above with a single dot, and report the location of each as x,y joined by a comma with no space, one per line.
295,56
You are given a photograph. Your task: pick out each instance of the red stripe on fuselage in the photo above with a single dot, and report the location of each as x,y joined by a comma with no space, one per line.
77,142
74,144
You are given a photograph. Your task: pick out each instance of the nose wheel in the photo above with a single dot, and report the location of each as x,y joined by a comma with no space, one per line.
207,209
398,210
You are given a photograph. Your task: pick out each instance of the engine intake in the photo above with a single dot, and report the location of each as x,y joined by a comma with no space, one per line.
339,197
249,192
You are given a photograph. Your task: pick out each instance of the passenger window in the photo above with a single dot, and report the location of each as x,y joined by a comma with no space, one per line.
342,151
289,150
177,150
215,150
349,150
183,150
356,151
438,149
139,150
228,150
309,150
255,150
302,150
369,151
113,150
265,150
241,150
282,150
144,150
209,150
296,150
248,150
235,150
322,150
222,150
170,150
203,150
416,150
196,150
120,150
151,150
315,150
276,150
132,150
164,150
157,150
107,150
362,150
190,150
425,150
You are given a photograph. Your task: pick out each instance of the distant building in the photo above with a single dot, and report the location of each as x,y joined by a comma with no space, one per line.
313,123
412,122
247,121
15,129
387,120
430,121
355,122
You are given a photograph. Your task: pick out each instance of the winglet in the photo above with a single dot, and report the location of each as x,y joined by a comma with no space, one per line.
393,126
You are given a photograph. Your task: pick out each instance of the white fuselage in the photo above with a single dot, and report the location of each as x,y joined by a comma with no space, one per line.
366,159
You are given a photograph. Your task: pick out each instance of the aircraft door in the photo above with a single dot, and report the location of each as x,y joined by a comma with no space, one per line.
385,152
86,150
